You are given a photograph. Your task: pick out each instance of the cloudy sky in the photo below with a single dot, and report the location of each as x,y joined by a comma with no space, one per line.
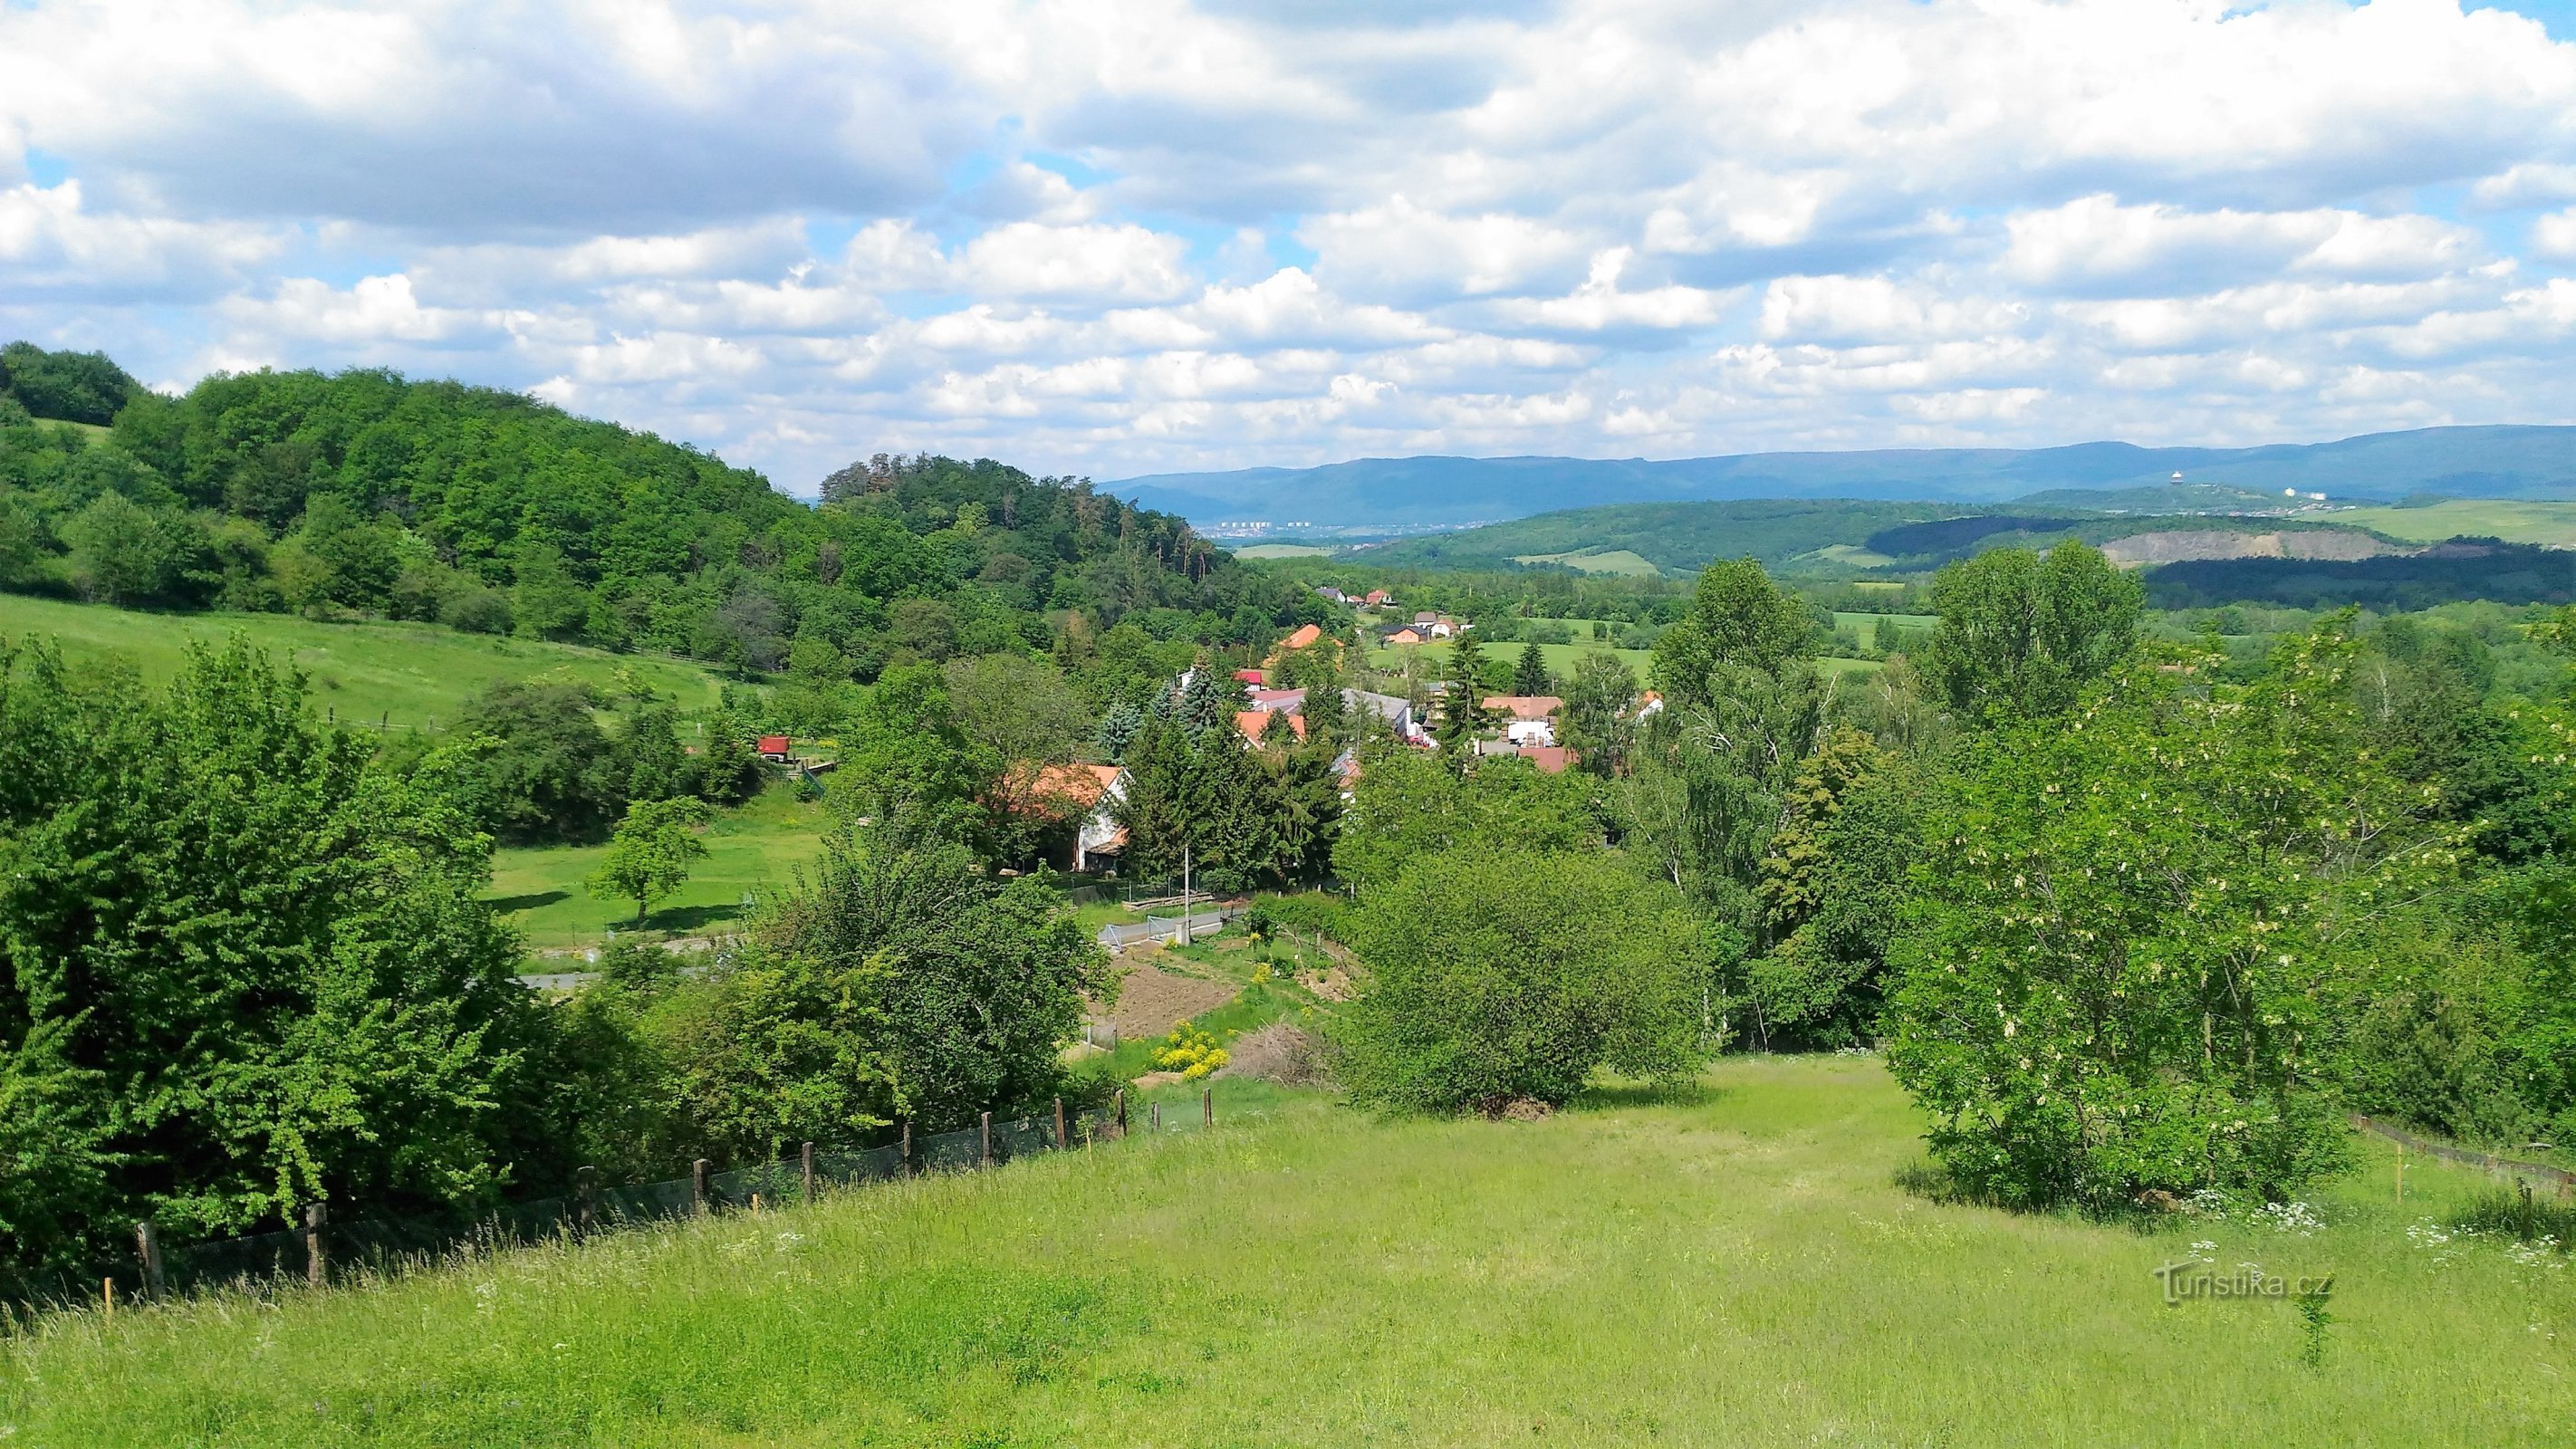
1131,236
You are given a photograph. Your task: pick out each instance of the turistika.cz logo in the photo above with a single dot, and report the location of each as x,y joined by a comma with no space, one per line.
2194,1279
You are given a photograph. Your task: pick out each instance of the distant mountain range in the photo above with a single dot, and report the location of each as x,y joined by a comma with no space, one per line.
2508,461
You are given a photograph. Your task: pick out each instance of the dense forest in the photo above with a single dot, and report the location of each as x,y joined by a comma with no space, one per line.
364,493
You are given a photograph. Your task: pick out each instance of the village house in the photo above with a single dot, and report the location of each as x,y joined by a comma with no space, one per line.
1094,791
1527,719
1404,636
1378,598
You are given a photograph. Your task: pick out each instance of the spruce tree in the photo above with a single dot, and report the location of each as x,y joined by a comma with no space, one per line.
1530,676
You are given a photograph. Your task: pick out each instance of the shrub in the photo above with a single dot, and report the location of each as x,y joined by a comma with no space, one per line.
1503,974
1190,1051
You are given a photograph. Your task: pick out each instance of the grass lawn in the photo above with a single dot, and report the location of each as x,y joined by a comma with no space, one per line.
1561,658
2550,524
408,674
1626,563
750,850
1728,1266
1866,623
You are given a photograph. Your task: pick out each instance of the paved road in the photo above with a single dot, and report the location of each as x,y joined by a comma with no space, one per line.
1163,928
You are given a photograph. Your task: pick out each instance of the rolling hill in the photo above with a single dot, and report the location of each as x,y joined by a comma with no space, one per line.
2471,462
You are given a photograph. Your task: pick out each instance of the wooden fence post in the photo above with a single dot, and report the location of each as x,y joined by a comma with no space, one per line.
585,1200
808,1163
1059,1124
147,1247
1156,1119
1122,1111
907,1147
698,1187
1207,1106
988,1139
316,1269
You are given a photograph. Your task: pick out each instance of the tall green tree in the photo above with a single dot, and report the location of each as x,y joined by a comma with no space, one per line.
1738,620
652,852
2021,634
1529,675
1462,703
2134,923
1600,724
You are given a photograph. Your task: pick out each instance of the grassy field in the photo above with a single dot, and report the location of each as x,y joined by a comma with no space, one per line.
750,850
1281,550
1865,623
1562,658
1626,563
2552,525
1727,1266
404,674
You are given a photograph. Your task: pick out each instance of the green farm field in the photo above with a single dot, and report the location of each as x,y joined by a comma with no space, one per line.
1562,658
407,675
750,850
1727,1265
1281,550
1626,563
2551,525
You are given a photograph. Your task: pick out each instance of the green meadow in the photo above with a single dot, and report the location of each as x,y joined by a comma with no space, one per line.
1626,563
405,675
2552,525
1731,1264
750,851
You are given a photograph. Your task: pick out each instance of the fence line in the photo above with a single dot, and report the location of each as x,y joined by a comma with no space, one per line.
2565,1179
320,1249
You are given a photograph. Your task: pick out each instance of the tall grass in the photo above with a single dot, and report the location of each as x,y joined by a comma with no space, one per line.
1730,1265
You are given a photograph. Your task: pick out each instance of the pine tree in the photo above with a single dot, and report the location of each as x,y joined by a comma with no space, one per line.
1530,676
1462,707
1118,729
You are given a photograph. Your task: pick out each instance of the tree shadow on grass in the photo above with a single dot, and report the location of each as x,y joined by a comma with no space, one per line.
504,905
1616,1096
691,918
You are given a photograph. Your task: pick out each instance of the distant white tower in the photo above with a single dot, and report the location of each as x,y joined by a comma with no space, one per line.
2177,477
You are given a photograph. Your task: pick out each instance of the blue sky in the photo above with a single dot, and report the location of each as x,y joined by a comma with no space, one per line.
1119,238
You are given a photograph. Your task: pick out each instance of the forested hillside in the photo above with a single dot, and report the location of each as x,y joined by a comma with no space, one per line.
366,493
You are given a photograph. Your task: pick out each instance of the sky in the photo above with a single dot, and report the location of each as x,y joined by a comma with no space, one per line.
1138,236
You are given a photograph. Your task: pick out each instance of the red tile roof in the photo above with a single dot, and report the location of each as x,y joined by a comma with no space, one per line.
1304,636
1524,706
1550,759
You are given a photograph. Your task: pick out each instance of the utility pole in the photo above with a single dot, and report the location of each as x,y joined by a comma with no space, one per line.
1185,895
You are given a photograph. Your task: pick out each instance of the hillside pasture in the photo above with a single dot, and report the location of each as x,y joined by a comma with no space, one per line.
2551,525
1625,563
409,676
1731,1263
750,851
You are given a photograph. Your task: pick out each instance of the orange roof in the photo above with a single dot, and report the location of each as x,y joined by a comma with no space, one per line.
1254,723
1305,635
1077,784
1404,636
1524,706
1550,759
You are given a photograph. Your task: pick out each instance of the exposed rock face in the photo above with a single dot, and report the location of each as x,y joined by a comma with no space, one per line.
2179,545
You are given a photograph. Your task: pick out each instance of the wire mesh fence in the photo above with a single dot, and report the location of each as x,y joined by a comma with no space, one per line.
323,1250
